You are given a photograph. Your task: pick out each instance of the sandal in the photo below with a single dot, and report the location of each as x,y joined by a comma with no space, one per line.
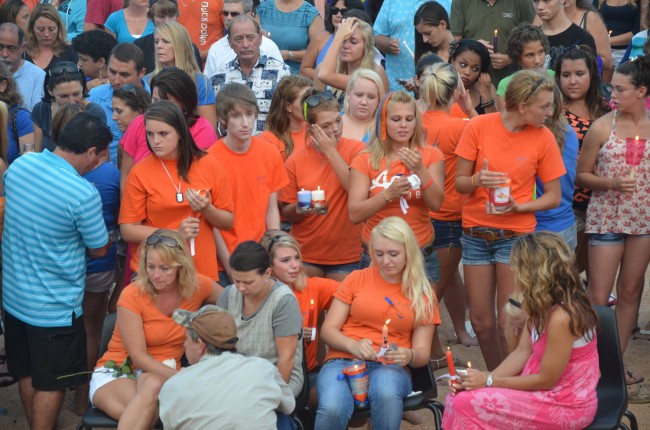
6,379
441,363
632,379
638,394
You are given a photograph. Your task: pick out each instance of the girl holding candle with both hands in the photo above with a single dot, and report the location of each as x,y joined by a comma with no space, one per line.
314,294
330,242
496,148
617,215
353,329
549,380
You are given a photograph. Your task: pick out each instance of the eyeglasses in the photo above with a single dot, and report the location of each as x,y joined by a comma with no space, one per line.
63,66
314,100
336,10
170,242
129,89
227,13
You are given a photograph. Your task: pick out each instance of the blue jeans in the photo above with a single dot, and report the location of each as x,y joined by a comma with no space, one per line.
285,422
387,387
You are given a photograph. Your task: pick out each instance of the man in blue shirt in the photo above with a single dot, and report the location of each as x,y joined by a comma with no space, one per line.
125,66
53,218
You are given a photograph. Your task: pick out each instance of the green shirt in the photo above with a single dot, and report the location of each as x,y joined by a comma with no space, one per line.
477,19
503,85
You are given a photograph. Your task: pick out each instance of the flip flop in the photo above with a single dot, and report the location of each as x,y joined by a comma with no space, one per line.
441,363
632,379
6,379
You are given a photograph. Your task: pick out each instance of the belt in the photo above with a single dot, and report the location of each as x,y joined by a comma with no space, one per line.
426,251
491,235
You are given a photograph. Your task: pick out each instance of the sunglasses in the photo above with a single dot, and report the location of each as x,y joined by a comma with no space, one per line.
336,10
129,89
227,13
314,100
170,242
64,66
273,241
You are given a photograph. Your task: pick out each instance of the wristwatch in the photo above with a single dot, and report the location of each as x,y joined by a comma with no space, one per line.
488,383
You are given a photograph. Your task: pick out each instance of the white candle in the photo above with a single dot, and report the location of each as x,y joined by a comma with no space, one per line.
408,48
304,199
318,195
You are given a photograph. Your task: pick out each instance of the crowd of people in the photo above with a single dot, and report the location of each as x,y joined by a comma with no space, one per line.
273,191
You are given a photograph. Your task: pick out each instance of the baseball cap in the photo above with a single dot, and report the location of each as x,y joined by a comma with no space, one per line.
213,324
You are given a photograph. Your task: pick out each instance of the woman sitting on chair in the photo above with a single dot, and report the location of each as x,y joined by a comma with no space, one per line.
549,380
394,287
146,334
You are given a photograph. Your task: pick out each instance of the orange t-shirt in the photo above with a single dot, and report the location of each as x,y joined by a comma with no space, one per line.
164,338
321,290
150,197
444,131
298,138
254,176
457,112
203,21
365,291
418,212
331,238
524,155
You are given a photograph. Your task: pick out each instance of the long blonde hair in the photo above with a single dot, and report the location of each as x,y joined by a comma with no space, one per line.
176,256
440,82
4,137
415,285
379,142
276,239
368,58
183,50
367,74
525,85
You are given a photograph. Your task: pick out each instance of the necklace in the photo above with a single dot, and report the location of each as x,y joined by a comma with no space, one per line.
179,195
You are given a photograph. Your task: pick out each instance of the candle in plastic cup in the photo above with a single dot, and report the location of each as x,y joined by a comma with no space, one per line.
500,196
634,149
304,199
357,377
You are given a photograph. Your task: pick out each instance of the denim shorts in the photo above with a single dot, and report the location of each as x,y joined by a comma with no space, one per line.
431,265
479,252
447,233
610,239
344,268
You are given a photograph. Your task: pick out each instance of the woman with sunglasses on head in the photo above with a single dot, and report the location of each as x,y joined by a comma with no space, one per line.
174,49
176,187
45,38
356,327
398,175
352,48
64,83
20,129
314,295
147,345
174,85
617,216
330,243
364,92
489,153
319,46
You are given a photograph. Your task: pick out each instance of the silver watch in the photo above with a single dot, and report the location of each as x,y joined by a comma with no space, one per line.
488,383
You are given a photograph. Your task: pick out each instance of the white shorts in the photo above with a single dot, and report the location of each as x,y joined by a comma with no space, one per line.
102,376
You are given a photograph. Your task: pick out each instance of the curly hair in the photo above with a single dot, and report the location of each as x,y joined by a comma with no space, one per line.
520,36
95,43
638,71
546,276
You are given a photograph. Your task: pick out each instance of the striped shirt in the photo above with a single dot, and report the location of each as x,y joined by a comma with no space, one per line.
52,215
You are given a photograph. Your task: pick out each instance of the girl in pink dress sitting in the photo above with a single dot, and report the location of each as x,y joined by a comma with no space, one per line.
549,381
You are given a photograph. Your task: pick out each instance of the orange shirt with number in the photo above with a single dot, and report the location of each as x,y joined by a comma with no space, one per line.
444,131
365,291
418,213
150,197
523,155
164,337
321,291
331,238
254,176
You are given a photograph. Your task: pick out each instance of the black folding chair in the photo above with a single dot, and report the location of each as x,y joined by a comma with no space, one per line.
611,389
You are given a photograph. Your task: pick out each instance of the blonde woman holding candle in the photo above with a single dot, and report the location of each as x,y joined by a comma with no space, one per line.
617,215
394,288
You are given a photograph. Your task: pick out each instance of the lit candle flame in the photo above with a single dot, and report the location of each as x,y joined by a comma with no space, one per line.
387,321
496,33
637,138
312,302
319,188
469,364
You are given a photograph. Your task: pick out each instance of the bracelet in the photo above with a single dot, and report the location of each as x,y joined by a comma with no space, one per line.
412,355
291,59
487,104
473,179
388,199
428,184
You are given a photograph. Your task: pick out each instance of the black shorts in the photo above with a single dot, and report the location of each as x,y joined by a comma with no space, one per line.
46,353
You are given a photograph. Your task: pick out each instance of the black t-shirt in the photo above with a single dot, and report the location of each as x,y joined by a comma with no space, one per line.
569,38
